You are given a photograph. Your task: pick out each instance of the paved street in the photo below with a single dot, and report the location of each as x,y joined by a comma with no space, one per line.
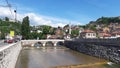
2,44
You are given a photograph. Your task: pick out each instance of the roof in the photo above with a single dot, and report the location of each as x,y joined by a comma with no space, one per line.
106,35
116,32
88,31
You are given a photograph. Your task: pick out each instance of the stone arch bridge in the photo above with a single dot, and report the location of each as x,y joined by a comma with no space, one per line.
43,42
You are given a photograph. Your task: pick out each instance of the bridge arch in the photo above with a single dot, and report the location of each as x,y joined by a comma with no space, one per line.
49,43
38,44
60,43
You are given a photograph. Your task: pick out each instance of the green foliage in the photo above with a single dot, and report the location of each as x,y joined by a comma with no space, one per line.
7,26
105,21
6,19
108,20
25,28
52,31
75,33
92,27
36,35
46,29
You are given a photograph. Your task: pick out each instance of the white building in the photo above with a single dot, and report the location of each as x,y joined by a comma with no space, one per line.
88,34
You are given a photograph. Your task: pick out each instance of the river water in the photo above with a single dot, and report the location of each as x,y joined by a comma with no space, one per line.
50,57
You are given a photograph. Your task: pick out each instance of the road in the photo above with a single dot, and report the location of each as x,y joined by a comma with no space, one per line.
2,44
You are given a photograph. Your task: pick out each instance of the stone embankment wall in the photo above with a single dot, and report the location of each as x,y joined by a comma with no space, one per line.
108,52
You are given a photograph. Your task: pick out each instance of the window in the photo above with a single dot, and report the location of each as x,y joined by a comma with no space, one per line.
93,34
88,34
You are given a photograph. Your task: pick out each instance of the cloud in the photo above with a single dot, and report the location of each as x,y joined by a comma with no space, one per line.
36,19
5,12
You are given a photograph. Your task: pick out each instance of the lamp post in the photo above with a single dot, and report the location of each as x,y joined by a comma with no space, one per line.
15,11
15,15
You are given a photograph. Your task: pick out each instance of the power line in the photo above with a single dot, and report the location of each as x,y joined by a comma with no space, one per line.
9,6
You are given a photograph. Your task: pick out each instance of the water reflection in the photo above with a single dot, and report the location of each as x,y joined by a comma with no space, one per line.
47,57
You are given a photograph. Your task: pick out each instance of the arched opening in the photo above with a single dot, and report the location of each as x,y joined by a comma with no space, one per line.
38,44
49,44
60,43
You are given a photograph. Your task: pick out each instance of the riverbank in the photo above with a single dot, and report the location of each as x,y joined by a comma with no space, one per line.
108,52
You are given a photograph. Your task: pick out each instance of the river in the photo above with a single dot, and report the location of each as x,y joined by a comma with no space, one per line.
50,57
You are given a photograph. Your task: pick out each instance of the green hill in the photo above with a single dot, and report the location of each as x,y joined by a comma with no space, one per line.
6,26
106,20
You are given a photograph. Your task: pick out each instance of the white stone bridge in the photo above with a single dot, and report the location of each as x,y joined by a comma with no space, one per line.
42,42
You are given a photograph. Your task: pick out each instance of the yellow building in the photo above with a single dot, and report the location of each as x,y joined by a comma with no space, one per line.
106,29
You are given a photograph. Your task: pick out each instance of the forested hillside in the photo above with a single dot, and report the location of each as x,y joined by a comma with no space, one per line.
6,26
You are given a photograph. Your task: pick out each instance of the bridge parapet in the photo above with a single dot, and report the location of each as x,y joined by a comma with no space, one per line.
9,55
43,42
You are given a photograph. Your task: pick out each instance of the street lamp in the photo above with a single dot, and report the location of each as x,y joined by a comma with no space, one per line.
15,11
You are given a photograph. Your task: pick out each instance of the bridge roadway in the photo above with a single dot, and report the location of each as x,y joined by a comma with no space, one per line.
2,44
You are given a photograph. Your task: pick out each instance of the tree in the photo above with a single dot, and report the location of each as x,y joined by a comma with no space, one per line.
25,28
75,33
6,19
93,27
46,29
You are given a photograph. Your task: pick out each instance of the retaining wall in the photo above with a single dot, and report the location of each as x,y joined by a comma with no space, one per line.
108,52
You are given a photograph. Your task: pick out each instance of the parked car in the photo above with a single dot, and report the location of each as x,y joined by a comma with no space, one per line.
16,39
8,41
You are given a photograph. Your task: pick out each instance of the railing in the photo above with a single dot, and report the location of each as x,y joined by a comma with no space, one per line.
113,41
31,42
9,55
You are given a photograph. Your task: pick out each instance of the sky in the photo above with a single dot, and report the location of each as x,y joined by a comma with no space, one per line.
60,12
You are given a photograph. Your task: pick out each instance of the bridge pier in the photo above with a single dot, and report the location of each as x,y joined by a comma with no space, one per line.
43,43
32,45
55,43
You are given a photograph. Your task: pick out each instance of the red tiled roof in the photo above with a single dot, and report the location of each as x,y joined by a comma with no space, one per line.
106,35
88,31
116,33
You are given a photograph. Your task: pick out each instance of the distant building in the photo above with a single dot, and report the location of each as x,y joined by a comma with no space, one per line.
88,34
8,36
51,36
67,36
59,33
106,29
116,34
105,35
37,31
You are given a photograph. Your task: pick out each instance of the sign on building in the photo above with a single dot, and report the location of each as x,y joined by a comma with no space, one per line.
11,33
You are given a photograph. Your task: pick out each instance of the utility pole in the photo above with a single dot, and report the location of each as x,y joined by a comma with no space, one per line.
15,11
9,6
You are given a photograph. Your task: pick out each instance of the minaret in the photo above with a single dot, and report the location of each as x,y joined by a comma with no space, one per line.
70,28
